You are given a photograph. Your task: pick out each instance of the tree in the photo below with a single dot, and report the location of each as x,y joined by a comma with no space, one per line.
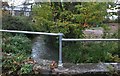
42,16
68,18
90,13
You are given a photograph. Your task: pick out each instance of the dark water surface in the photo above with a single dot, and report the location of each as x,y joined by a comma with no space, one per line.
42,50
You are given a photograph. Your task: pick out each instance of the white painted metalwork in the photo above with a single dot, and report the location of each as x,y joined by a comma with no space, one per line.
29,32
60,64
90,39
43,33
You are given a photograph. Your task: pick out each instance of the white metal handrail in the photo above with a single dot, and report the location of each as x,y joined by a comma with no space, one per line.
43,33
60,40
29,32
90,39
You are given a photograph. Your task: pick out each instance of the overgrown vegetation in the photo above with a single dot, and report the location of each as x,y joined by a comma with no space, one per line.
71,19
16,50
68,18
92,52
16,23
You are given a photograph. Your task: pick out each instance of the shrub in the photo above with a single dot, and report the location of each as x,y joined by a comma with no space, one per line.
16,43
16,23
92,52
15,49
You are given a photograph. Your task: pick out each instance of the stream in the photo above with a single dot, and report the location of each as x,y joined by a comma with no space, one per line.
42,50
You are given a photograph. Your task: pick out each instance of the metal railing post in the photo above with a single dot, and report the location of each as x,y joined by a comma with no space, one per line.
60,64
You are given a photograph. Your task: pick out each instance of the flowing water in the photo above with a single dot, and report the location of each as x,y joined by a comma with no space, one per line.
42,50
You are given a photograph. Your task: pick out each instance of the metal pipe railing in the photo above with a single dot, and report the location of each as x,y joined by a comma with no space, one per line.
43,33
90,39
66,40
29,32
60,64
60,50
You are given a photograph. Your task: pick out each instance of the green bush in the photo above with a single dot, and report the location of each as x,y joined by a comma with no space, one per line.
16,23
16,43
15,49
92,52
